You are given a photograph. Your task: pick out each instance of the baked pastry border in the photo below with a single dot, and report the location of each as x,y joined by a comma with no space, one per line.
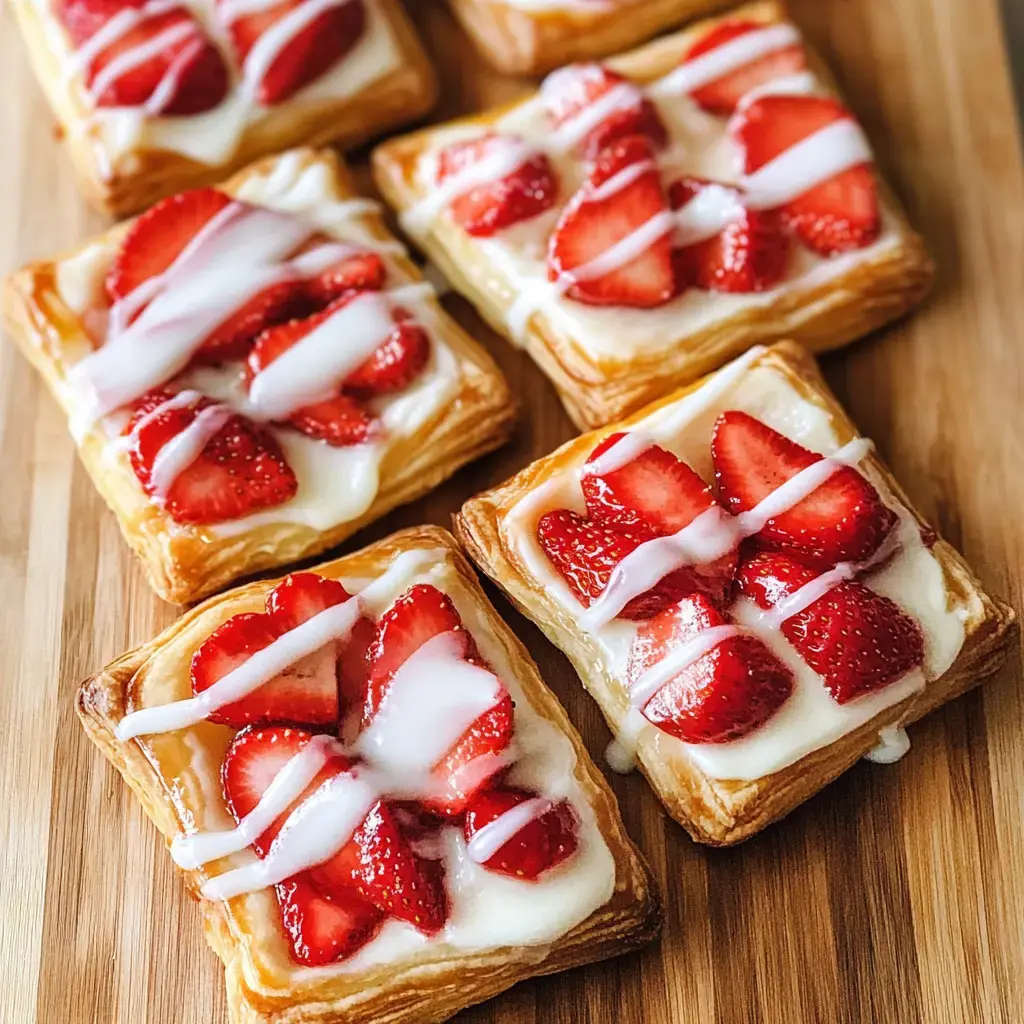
434,989
520,41
139,178
724,812
184,564
597,389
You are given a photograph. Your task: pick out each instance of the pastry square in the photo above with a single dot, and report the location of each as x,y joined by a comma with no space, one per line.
253,374
157,96
745,650
638,223
533,36
455,840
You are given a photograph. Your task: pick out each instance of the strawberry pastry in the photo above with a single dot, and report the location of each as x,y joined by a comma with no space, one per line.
640,221
160,95
253,372
743,588
384,813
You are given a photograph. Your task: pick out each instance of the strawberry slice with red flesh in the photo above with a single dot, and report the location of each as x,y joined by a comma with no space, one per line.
723,94
595,221
308,53
657,493
836,216
360,272
306,692
748,255
568,92
240,471
323,929
189,62
487,209
541,844
376,866
725,694
157,238
420,614
856,640
344,420
843,520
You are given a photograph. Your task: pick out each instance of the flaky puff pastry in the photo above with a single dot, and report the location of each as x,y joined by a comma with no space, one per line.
598,384
122,182
529,38
722,811
184,563
175,776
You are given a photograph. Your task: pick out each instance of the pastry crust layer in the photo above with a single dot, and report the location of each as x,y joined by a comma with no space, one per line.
263,984
139,178
186,563
531,41
597,388
717,811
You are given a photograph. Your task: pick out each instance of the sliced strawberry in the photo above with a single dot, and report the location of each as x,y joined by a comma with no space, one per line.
362,271
541,844
596,219
308,53
569,91
844,520
725,694
307,691
656,493
157,238
188,66
420,614
343,420
586,553
749,255
836,216
240,471
722,95
324,929
376,864
855,639
487,209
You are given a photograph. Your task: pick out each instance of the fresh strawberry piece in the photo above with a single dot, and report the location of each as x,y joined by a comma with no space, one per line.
855,639
354,675
376,864
188,66
307,54
360,272
305,692
396,363
339,421
487,209
722,95
836,216
382,866
725,694
540,845
586,553
749,255
419,615
596,219
324,929
844,520
241,470
569,91
656,493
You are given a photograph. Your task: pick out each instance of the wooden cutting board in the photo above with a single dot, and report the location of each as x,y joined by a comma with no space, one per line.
894,897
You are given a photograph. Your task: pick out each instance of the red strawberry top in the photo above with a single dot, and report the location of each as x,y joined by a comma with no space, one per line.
637,233
424,765
655,540
205,281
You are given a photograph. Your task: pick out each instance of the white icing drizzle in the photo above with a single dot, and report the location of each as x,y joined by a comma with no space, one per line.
487,841
723,60
893,743
184,448
138,55
571,132
801,83
111,32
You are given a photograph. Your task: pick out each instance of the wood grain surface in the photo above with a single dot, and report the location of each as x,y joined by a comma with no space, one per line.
897,895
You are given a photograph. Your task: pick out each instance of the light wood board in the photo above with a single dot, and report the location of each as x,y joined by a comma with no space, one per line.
894,897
